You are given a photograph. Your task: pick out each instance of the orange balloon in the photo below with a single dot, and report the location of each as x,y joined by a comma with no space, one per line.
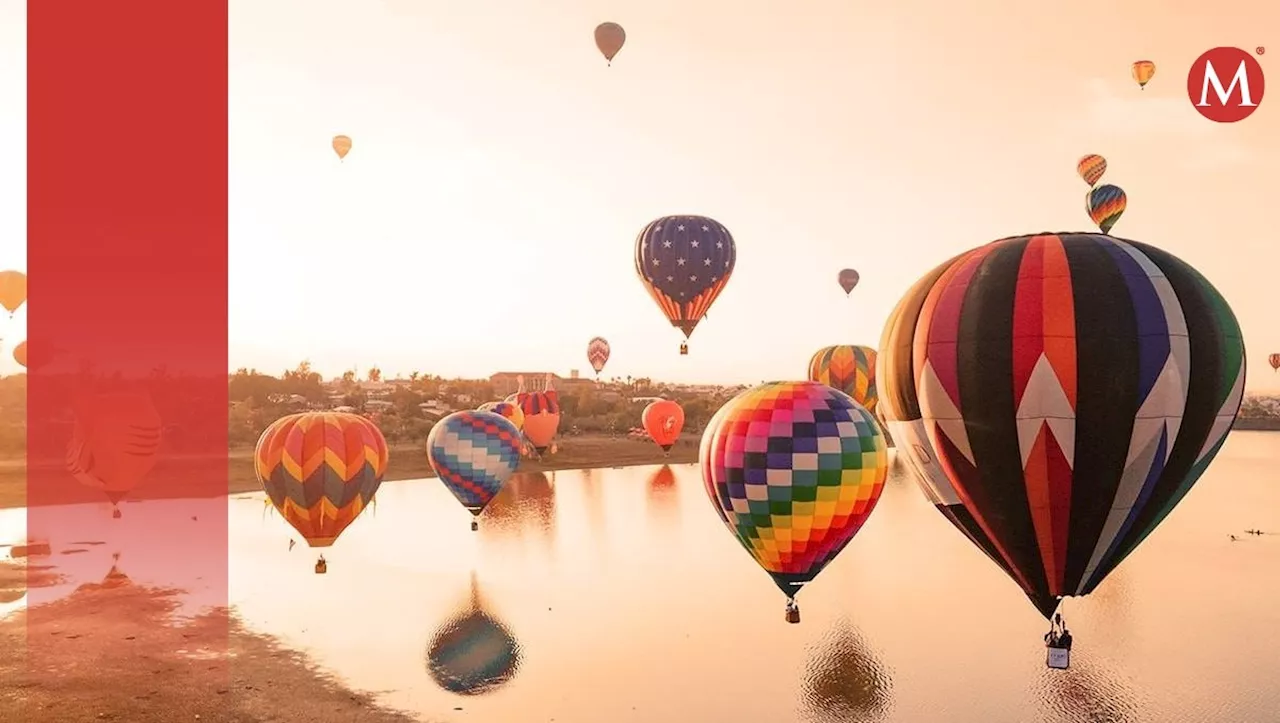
663,420
13,290
20,353
341,146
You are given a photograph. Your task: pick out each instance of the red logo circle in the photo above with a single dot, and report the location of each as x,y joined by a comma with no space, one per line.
1225,85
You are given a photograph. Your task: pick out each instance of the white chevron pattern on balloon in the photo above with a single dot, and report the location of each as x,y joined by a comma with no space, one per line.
1045,402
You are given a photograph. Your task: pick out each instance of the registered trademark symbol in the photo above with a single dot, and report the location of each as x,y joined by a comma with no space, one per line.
1261,50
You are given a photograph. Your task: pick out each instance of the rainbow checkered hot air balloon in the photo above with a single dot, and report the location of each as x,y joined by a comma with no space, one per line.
851,369
794,469
474,454
320,470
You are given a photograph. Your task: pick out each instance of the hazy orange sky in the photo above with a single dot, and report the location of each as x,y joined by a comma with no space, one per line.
486,216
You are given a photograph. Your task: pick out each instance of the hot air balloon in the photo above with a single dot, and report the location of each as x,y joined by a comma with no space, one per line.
1091,168
510,410
663,421
114,443
1274,360
541,416
848,279
1105,204
1072,388
474,454
598,353
850,369
1143,71
321,470
341,146
13,290
609,39
20,353
794,469
684,263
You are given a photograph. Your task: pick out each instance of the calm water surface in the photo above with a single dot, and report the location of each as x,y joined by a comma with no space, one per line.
618,595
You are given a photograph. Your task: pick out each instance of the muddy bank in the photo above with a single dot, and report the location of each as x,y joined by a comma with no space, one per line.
112,652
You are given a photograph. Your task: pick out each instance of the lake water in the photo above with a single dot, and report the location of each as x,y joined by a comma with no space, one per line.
618,595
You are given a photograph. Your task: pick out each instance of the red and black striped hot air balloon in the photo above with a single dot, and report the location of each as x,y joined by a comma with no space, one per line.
1060,394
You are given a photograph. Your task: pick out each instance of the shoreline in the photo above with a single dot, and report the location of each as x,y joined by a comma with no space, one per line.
148,668
407,462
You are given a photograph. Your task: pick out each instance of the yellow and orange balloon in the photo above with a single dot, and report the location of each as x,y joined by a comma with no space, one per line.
341,146
849,369
13,290
320,470
1143,71
20,353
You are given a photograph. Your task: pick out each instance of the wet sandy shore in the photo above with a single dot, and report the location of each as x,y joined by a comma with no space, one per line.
113,652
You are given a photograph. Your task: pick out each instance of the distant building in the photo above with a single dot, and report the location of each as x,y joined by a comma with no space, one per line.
507,383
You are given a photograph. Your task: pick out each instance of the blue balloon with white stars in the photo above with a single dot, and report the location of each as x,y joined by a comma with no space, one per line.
684,263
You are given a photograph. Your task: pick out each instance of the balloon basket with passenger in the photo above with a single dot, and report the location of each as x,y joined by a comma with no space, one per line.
321,566
1057,644
793,611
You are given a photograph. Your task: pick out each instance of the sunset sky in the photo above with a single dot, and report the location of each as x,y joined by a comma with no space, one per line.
486,216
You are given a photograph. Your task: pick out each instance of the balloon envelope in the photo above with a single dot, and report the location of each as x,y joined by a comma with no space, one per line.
541,417
663,421
114,442
684,263
341,146
20,353
1091,168
320,470
474,454
1072,389
13,290
1143,71
850,369
610,38
510,410
848,279
598,353
1105,204
1273,360
794,469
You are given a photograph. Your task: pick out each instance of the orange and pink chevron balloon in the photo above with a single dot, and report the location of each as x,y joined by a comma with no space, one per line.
320,470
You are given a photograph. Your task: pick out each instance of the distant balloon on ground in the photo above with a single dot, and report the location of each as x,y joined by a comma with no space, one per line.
663,421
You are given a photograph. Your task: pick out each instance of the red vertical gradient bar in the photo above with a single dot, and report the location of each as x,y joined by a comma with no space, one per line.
127,259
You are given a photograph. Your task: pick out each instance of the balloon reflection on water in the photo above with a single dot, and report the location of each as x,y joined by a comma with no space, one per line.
844,680
472,653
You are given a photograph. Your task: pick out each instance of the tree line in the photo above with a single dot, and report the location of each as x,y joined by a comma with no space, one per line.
256,399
